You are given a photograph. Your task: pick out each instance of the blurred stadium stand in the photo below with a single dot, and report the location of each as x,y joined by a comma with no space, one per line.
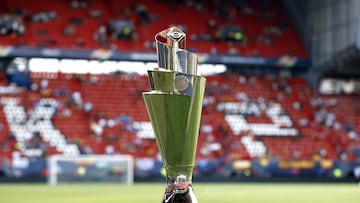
265,117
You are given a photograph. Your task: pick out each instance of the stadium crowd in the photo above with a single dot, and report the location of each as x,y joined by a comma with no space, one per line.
324,135
131,26
104,114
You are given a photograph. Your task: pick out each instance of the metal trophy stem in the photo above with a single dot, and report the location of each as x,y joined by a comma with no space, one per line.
174,106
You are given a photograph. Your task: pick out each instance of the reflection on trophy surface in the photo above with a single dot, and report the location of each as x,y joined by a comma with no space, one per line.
174,106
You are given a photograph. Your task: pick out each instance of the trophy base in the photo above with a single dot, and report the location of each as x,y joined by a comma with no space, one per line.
187,196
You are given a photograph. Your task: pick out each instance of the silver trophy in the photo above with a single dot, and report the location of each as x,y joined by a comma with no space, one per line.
174,106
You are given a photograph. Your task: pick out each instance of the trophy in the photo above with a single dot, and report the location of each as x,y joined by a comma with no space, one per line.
174,106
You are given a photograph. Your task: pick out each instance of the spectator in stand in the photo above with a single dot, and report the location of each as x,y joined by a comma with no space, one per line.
214,50
125,118
76,98
96,128
10,143
242,96
212,25
122,29
252,108
69,30
231,35
142,12
78,4
95,13
44,84
330,119
262,38
88,107
66,112
86,149
150,44
206,128
233,51
80,42
272,31
109,149
100,35
44,16
11,25
287,60
35,142
320,115
353,135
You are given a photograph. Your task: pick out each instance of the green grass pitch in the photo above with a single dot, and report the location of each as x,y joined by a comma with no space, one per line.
205,192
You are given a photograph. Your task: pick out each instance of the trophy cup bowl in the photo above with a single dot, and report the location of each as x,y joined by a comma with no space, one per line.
174,107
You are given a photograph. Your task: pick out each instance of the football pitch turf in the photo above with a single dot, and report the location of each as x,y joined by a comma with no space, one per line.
205,192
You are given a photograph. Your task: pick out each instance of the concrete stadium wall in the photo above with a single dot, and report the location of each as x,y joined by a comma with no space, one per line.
326,26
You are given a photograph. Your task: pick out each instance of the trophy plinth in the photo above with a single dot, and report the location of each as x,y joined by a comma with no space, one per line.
174,106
